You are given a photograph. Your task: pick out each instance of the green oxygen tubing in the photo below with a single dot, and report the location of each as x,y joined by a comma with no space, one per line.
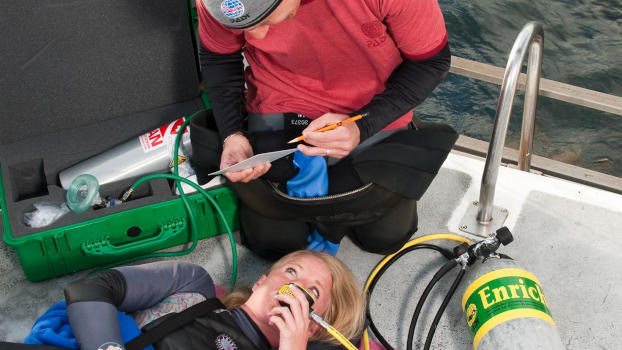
193,229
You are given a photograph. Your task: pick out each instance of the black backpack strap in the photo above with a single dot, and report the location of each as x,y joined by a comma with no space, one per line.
172,323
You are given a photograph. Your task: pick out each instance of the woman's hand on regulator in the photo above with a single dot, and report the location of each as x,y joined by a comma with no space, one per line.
236,148
336,143
293,321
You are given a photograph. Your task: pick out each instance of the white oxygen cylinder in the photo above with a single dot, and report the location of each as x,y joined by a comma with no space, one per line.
505,308
145,154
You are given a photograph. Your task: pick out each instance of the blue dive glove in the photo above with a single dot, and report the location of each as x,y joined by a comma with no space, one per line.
311,181
317,243
312,177
52,328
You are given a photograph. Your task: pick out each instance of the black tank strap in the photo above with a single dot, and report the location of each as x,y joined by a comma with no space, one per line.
173,322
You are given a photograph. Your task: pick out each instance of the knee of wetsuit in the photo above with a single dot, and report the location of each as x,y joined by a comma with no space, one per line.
107,286
391,231
271,238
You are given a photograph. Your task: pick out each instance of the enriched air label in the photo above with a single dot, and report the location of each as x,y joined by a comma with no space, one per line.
500,296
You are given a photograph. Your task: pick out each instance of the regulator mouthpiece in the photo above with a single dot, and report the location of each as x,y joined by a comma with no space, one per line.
287,289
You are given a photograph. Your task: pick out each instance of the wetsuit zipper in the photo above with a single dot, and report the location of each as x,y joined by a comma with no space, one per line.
332,196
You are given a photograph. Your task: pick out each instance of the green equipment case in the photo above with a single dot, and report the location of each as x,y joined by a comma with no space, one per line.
80,78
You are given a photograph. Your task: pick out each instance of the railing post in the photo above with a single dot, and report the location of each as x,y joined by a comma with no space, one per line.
532,87
531,37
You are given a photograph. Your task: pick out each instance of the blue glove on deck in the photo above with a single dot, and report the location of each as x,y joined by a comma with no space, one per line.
52,328
312,178
317,243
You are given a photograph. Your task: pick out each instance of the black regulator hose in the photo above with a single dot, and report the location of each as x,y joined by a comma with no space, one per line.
448,254
414,242
442,308
445,252
439,274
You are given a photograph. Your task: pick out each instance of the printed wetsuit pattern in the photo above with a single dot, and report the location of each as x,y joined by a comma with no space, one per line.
174,303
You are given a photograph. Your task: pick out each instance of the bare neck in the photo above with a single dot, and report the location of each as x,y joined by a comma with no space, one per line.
271,333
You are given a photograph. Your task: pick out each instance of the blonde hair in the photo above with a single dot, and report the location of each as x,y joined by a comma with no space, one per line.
237,297
346,311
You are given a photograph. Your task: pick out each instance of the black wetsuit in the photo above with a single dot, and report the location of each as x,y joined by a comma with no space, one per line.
92,304
272,224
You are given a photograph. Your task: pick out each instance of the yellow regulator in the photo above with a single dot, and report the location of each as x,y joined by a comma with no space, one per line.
505,307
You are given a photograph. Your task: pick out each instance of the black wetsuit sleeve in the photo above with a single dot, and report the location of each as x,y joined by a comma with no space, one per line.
92,302
223,79
148,284
106,286
132,288
409,84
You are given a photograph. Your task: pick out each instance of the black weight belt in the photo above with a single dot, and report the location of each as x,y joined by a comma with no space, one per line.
294,123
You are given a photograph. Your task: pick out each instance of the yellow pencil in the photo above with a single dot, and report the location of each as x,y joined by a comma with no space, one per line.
330,127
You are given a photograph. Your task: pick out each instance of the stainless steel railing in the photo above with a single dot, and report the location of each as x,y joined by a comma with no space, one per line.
531,38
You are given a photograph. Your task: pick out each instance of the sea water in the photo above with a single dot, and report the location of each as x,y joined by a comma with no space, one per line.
582,47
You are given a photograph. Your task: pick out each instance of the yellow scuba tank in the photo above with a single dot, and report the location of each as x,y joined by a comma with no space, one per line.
504,305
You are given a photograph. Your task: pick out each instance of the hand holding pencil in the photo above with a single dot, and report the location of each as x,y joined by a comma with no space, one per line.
329,127
333,135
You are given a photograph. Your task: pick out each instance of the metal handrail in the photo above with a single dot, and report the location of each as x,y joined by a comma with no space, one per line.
530,37
556,90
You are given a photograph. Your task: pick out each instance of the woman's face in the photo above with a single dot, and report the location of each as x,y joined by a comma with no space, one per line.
308,271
